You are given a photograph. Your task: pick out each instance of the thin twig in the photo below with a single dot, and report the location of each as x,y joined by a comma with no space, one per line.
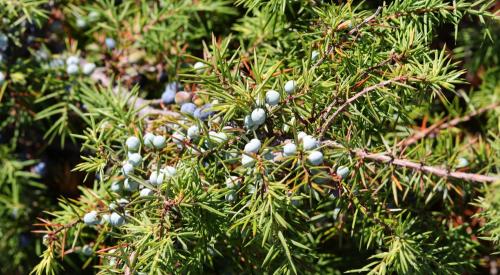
442,125
342,108
441,172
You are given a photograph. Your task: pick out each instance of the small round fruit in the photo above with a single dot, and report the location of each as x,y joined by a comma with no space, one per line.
88,68
135,159
133,144
81,23
105,218
91,218
72,60
116,186
116,219
252,146
231,196
183,97
110,43
127,169
314,55
247,161
290,86
462,162
289,149
87,250
199,66
309,143
248,122
123,202
130,185
156,178
315,158
146,192
301,135
193,132
72,69
188,108
168,96
258,116
272,97
204,112
159,142
169,171
148,140
343,171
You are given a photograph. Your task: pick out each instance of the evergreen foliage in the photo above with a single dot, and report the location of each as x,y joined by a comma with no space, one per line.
252,136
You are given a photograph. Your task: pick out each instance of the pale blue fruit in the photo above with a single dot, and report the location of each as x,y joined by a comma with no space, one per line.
156,178
146,192
233,181
87,250
116,186
130,185
301,135
135,159
169,171
133,144
91,218
193,132
343,171
315,158
72,69
290,86
462,162
258,116
314,55
199,66
127,169
168,96
116,219
247,161
148,140
81,23
309,143
272,97
252,146
188,108
230,196
159,142
110,43
248,122
88,68
72,60
289,149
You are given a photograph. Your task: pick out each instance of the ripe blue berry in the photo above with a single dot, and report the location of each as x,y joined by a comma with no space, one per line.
135,159
72,60
156,178
272,97
116,219
40,168
247,161
146,192
91,218
88,68
169,171
248,122
217,137
289,149
87,250
72,69
130,185
110,43
314,55
168,96
290,86
309,143
258,116
462,162
199,67
188,108
133,144
148,140
253,146
204,112
116,186
315,157
193,132
127,169
343,171
159,142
